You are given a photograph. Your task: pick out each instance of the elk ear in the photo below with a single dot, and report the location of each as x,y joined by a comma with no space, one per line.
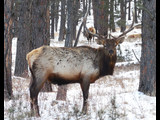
120,40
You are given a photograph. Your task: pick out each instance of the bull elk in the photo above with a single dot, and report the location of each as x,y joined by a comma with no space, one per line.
63,65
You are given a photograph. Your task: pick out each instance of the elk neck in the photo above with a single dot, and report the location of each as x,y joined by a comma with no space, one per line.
106,63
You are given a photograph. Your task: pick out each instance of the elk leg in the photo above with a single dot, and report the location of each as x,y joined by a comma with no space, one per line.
34,90
35,86
85,89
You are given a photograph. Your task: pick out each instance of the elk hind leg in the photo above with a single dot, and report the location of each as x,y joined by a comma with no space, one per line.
35,86
85,89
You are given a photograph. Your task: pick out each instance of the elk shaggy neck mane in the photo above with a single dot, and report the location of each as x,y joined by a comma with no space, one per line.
106,62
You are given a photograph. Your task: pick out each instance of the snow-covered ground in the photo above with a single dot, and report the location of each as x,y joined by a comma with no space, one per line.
110,97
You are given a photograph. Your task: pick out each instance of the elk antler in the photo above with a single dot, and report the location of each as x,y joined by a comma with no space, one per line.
120,37
130,28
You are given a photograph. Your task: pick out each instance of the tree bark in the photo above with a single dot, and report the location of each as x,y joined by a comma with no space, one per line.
147,83
103,17
21,66
62,92
123,15
129,10
52,18
75,18
95,13
62,32
40,29
135,8
112,23
69,34
8,93
15,18
56,14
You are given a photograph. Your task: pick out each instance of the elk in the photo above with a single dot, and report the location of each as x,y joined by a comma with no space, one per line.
90,36
63,65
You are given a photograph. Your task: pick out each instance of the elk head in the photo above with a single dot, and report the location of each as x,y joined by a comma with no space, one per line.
109,41
109,44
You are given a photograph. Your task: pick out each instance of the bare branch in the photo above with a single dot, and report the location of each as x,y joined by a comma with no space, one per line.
83,23
135,56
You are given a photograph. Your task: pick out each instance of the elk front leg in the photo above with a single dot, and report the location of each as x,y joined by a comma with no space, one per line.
85,89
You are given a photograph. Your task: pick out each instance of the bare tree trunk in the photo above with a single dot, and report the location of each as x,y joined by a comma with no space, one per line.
52,18
8,49
112,24
75,16
129,10
63,21
115,5
21,66
103,17
89,7
56,14
84,11
135,8
139,9
15,18
62,92
84,7
95,13
123,15
69,34
40,28
147,83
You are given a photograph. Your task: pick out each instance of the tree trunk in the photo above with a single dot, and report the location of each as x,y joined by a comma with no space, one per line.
40,28
21,66
56,14
75,16
69,34
62,32
52,18
103,17
147,83
115,5
112,23
62,93
40,31
95,13
89,7
15,18
84,7
135,8
129,10
123,15
7,49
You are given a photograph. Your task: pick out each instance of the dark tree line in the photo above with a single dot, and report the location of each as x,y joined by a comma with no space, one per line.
29,21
